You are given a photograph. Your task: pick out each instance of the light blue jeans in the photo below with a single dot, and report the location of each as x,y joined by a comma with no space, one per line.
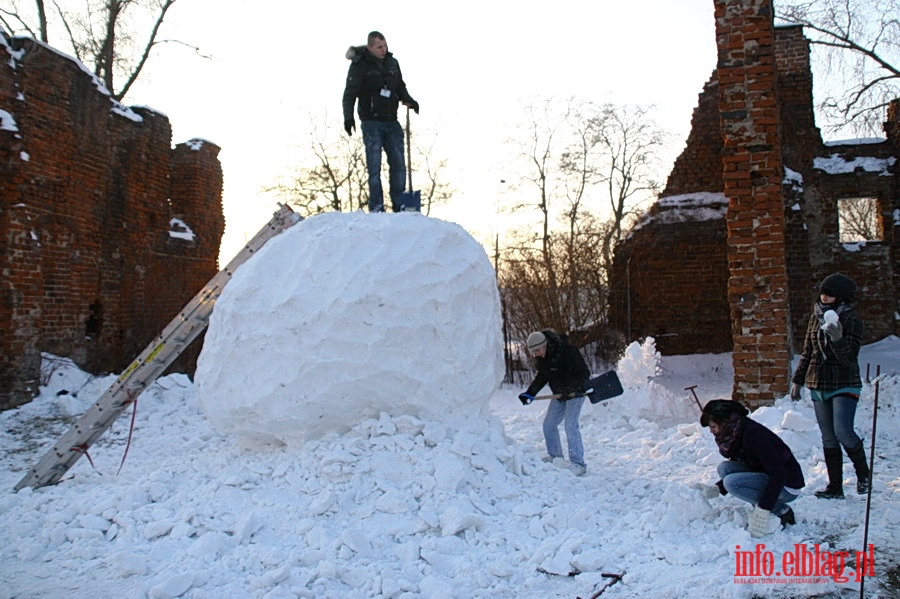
835,417
749,486
378,136
569,411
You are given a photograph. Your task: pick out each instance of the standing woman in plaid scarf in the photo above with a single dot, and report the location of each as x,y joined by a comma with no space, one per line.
829,368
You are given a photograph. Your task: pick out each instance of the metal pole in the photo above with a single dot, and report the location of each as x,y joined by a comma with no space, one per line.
862,579
691,389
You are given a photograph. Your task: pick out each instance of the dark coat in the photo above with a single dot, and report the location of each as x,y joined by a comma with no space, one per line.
761,450
562,367
826,365
366,79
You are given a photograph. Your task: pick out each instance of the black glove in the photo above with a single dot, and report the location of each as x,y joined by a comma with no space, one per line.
721,486
795,392
414,105
526,398
349,126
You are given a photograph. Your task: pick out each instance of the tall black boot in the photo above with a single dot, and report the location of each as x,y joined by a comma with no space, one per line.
857,455
834,462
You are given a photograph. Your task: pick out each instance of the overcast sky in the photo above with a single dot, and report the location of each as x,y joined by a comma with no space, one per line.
471,66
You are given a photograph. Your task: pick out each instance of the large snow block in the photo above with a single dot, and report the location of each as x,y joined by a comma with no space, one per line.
345,316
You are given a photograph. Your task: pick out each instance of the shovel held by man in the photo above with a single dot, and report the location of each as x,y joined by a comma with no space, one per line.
409,201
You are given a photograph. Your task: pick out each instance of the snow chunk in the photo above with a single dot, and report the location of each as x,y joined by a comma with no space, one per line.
195,144
856,141
176,586
837,165
7,122
178,229
690,207
347,316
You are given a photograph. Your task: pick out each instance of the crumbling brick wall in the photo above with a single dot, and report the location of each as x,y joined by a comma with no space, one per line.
753,171
651,267
91,268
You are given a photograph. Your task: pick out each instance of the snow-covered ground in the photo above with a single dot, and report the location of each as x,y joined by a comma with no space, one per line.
395,509
439,493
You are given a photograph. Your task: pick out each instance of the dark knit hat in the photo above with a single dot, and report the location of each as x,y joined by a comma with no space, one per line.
721,410
839,286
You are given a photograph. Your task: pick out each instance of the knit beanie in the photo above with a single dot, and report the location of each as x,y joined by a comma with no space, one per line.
839,286
721,410
536,341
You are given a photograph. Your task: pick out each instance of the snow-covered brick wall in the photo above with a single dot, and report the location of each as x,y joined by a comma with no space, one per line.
348,316
89,269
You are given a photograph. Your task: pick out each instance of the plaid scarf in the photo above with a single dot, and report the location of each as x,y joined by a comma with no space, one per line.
729,433
839,307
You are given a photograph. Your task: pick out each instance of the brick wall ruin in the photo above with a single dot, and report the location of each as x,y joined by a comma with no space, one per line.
95,207
677,277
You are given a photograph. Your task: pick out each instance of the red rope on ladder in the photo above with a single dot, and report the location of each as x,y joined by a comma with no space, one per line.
133,401
83,448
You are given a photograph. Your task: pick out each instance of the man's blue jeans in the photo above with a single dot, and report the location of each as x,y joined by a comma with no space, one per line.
835,417
378,136
749,486
569,411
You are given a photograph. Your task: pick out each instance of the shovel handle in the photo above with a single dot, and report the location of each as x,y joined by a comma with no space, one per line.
564,395
408,152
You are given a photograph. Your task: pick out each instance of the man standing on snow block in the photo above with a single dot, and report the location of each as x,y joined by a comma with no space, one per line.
760,469
374,78
562,366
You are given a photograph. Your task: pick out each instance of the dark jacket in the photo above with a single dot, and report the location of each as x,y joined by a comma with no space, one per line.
826,365
366,79
562,367
761,450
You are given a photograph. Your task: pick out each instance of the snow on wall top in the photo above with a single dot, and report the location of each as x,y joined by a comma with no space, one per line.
838,165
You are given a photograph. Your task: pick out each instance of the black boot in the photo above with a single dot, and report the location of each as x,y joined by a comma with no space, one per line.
834,463
857,455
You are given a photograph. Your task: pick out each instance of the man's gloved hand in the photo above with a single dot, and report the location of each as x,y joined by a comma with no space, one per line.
526,398
414,105
834,330
795,391
759,523
349,126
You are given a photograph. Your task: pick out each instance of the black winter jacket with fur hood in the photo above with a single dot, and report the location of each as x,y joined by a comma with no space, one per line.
366,79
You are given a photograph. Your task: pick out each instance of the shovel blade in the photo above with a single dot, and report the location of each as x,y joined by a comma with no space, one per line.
409,201
605,386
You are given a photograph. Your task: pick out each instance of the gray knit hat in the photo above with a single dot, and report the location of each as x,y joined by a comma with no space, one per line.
536,341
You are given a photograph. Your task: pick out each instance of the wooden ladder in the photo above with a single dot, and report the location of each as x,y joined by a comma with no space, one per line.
143,371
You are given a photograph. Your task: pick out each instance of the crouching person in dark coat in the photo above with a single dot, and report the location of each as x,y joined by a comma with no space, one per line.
760,469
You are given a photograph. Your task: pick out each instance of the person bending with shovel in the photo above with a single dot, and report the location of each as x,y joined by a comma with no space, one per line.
562,366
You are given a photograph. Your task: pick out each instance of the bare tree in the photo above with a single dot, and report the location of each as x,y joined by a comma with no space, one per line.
436,190
332,175
331,178
860,43
630,140
859,220
586,168
103,34
540,151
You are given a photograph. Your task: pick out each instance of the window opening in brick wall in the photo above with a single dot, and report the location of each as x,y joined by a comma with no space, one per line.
859,220
94,322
